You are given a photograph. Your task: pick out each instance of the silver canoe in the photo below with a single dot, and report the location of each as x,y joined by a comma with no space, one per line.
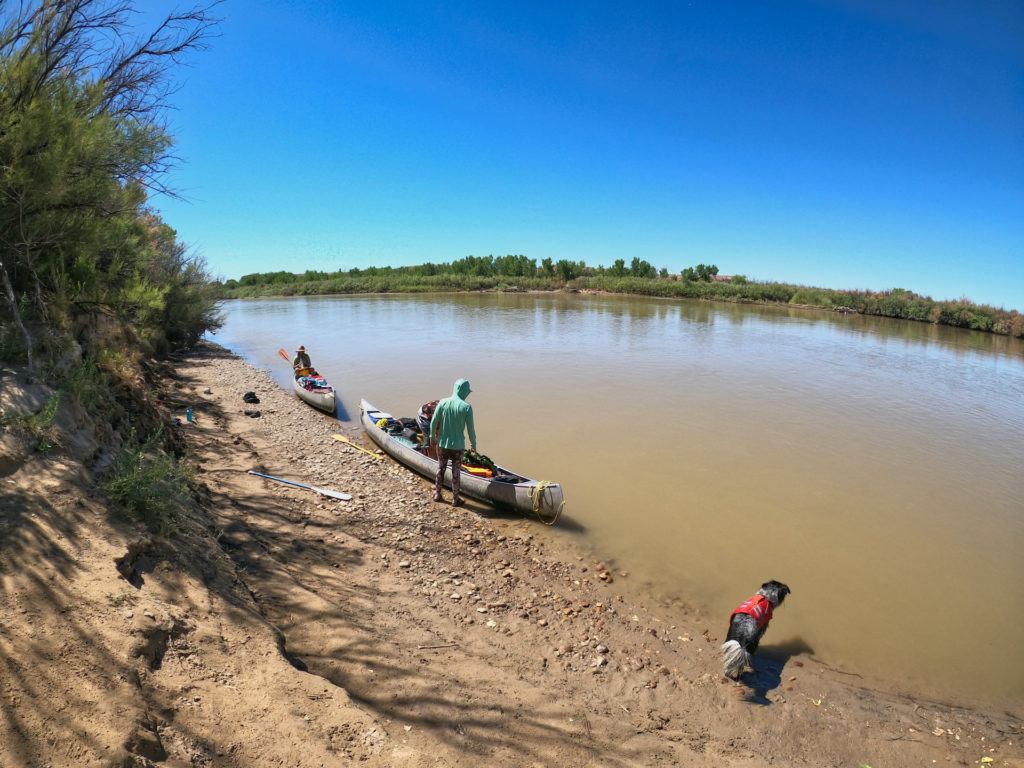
542,498
321,399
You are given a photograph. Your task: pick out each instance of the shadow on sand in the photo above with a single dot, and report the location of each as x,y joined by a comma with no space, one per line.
769,663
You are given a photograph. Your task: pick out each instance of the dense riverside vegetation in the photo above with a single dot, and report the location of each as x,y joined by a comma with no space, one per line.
83,142
93,284
511,273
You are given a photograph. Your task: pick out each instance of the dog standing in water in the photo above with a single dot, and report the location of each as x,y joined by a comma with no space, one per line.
748,624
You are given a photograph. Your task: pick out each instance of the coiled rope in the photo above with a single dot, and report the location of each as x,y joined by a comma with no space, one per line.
537,497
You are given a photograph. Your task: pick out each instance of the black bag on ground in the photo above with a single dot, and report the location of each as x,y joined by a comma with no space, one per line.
250,397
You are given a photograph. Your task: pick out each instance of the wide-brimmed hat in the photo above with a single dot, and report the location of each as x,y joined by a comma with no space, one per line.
301,348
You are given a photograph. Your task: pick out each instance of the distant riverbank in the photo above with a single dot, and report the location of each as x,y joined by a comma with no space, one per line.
897,303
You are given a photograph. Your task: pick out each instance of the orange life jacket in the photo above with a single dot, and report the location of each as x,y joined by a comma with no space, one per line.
758,607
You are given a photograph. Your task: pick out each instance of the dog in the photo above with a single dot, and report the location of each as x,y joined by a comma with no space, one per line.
747,626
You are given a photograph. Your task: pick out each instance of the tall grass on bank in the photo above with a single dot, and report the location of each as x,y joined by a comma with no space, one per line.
150,486
38,425
897,303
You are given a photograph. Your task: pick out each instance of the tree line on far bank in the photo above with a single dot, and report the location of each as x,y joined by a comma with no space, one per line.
639,277
493,266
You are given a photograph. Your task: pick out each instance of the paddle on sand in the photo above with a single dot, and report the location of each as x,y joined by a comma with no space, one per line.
343,439
321,491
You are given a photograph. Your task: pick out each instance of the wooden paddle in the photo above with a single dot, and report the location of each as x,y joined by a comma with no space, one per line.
322,491
284,354
343,439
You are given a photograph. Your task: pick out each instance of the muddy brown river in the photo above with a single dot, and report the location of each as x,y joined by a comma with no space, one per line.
876,466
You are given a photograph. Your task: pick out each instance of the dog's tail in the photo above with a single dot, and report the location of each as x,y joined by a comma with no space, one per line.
736,659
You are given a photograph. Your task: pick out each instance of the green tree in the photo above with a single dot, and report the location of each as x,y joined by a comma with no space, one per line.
82,143
700,273
640,268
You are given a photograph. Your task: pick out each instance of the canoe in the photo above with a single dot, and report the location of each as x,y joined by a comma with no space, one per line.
321,398
513,491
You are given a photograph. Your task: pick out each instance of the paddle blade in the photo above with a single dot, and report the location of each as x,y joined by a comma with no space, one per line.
333,494
284,355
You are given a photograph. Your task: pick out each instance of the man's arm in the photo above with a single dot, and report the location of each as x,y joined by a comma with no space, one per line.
470,428
435,425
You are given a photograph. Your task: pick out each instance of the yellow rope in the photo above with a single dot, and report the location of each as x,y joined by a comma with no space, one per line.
537,496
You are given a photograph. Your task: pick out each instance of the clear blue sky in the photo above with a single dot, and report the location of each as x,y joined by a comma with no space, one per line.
845,144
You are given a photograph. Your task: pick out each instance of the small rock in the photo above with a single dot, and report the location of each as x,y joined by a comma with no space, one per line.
542,622
456,596
481,609
602,649
492,623
403,564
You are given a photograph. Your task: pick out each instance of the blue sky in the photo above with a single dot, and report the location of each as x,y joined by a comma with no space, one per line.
844,144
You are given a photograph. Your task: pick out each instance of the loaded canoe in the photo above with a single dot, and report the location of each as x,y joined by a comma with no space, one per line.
321,398
530,496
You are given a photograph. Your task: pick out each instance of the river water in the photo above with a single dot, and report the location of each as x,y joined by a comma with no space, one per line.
876,466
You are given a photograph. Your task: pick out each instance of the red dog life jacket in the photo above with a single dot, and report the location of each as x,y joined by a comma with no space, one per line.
758,607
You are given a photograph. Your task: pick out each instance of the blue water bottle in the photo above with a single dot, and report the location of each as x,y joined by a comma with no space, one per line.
188,415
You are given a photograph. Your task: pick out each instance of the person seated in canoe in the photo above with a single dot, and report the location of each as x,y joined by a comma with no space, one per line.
452,418
423,417
301,364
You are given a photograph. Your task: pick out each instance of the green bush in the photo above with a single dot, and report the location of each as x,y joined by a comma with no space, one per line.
150,486
812,297
39,425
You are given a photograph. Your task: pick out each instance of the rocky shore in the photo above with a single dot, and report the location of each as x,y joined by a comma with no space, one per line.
282,628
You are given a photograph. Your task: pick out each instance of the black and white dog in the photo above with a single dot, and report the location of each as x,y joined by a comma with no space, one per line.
748,624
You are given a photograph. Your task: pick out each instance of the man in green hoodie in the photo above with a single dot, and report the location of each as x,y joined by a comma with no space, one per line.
452,417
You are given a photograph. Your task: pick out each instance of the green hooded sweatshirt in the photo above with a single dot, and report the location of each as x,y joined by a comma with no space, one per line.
452,417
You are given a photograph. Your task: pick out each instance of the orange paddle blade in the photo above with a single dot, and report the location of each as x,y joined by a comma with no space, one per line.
284,354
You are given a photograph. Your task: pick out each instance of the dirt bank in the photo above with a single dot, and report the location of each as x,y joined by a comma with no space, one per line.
279,628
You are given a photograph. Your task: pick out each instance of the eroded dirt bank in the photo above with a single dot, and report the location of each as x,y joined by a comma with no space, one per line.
279,628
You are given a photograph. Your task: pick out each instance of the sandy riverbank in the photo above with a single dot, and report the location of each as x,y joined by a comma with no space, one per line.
282,628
